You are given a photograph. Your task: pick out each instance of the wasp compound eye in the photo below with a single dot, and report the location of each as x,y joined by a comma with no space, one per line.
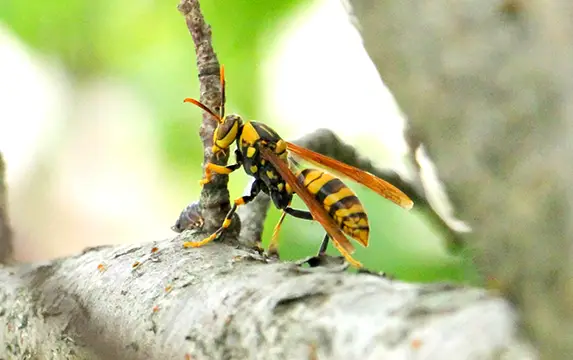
189,219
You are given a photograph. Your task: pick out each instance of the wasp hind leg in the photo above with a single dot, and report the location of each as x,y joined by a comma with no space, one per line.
274,244
301,214
322,259
255,188
323,245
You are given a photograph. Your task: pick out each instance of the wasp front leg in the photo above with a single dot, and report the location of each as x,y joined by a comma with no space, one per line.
223,170
255,189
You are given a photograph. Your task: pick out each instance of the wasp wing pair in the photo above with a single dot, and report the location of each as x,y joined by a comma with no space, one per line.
317,209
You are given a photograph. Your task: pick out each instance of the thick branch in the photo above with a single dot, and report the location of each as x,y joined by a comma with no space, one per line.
487,88
220,302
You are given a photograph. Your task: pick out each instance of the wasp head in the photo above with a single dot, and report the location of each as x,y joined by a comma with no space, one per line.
226,132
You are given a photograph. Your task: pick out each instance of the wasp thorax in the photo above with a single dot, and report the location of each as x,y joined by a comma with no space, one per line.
226,132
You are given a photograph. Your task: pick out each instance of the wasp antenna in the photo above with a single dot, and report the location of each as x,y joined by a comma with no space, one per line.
200,104
222,76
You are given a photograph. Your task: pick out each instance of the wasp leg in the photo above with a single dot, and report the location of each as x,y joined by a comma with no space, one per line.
218,169
223,170
255,188
308,216
324,245
274,244
347,256
301,214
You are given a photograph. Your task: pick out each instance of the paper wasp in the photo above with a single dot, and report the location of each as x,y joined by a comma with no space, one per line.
265,155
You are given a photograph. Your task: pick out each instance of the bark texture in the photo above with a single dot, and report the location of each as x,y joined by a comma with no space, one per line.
214,199
487,89
222,302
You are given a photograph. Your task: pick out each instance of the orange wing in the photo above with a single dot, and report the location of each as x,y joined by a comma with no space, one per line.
317,210
374,183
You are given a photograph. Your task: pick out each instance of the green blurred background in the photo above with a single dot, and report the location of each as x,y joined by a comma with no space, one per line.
101,149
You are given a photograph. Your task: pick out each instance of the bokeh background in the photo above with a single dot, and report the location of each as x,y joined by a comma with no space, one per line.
101,149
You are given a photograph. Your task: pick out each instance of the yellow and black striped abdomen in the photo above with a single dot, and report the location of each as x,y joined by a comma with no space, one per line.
339,201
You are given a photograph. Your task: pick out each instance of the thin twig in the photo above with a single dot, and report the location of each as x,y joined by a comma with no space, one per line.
214,198
5,231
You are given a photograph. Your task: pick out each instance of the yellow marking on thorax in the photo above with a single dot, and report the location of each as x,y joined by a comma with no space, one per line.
251,152
271,175
280,147
249,133
254,168
280,186
341,194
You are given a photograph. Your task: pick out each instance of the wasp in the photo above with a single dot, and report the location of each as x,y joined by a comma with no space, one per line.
268,158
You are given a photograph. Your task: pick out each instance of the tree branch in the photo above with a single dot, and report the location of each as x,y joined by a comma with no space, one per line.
5,231
158,300
220,302
486,86
214,198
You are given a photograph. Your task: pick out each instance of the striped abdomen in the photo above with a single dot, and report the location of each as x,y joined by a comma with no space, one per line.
339,201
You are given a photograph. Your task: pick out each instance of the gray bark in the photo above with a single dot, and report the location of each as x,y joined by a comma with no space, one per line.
230,303
487,87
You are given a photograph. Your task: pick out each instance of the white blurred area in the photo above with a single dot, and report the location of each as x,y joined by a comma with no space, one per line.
94,180
322,47
99,181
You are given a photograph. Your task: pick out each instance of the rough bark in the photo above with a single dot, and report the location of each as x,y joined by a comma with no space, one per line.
222,302
487,88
